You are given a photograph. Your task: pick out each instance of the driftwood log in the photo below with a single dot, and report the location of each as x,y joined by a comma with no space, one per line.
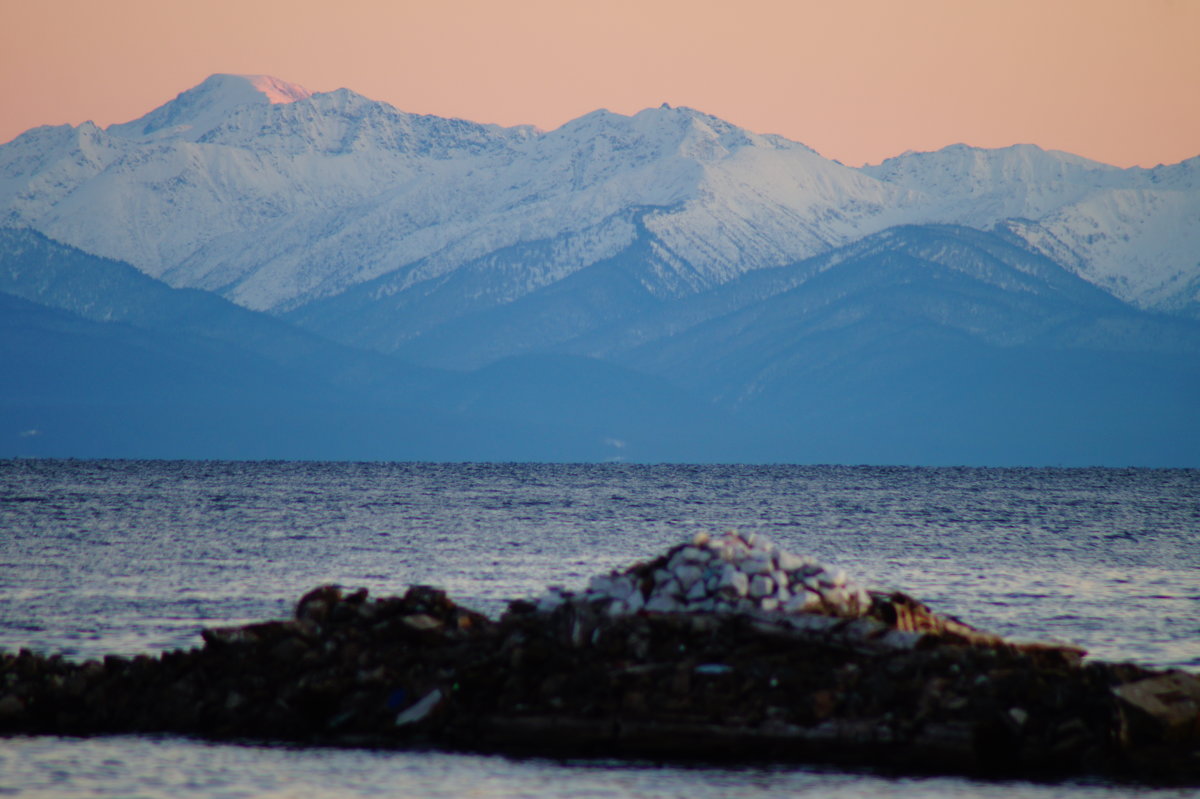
900,689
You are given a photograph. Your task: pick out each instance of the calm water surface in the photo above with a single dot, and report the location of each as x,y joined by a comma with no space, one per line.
129,557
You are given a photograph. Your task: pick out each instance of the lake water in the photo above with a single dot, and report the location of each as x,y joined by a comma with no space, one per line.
127,557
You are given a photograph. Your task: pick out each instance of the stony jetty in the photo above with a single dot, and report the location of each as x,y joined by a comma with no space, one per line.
721,648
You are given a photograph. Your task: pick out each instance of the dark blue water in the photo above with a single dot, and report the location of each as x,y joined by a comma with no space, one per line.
128,557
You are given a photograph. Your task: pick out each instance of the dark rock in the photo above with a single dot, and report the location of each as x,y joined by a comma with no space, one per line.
1164,708
900,688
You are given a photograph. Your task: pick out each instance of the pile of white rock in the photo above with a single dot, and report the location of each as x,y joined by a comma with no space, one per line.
722,574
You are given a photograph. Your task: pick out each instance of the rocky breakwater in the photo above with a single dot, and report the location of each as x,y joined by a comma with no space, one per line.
341,672
723,647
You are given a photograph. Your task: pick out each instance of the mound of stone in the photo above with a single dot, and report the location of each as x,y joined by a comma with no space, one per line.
731,573
751,575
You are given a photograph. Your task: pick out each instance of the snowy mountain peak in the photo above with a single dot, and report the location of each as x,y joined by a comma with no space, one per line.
201,108
275,90
658,132
697,128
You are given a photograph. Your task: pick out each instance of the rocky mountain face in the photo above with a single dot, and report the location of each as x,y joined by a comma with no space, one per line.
660,286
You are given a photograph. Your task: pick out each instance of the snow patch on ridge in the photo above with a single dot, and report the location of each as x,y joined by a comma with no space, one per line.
276,90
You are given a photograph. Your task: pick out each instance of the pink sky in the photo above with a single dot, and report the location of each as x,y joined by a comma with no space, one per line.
1113,80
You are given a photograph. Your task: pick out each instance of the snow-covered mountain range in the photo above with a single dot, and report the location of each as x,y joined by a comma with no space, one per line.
668,255
276,197
1133,232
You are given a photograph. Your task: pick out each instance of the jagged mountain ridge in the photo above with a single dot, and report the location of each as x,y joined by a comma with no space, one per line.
153,200
724,199
279,204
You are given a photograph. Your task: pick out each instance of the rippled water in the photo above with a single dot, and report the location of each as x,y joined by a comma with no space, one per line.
156,767
128,557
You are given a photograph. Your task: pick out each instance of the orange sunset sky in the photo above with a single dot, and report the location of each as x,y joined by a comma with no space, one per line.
858,80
